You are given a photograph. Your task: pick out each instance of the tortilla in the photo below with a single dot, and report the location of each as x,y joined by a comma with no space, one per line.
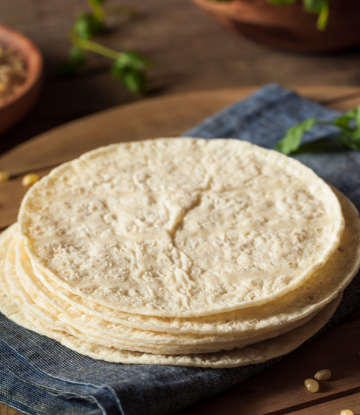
252,354
315,293
95,331
182,227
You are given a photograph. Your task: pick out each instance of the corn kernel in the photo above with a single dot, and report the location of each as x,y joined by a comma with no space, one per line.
346,412
4,176
311,385
30,179
324,374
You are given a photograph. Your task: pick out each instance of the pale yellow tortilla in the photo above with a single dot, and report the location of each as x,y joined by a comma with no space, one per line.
266,319
253,354
93,330
181,227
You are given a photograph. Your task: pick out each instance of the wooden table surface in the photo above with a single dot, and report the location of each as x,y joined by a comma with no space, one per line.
277,391
190,52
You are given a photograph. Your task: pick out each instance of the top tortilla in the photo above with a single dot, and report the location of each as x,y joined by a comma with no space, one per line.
181,227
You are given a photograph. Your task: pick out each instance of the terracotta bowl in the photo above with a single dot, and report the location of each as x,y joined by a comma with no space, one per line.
19,103
289,27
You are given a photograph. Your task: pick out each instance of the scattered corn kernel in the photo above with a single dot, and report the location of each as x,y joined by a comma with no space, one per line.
324,374
30,179
311,385
4,176
346,412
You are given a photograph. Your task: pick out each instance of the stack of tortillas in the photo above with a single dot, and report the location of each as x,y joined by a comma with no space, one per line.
194,252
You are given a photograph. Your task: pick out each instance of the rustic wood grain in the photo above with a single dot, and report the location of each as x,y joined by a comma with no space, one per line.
145,119
11,195
190,52
279,390
6,410
334,407
166,116
158,117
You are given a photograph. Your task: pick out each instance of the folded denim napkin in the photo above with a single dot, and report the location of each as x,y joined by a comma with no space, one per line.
40,376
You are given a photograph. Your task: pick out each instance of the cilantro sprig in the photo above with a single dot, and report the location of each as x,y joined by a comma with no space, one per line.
129,67
348,126
319,7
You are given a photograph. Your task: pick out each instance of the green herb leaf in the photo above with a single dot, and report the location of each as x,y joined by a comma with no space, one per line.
348,124
96,3
117,70
356,115
128,66
291,141
314,6
350,137
320,7
133,60
323,17
87,25
134,80
97,9
343,121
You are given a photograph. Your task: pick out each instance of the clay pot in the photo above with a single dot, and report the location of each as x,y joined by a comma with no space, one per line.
19,103
289,26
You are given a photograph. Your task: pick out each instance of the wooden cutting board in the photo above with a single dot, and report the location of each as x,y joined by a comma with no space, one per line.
279,390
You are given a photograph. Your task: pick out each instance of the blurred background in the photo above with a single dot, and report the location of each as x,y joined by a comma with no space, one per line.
189,51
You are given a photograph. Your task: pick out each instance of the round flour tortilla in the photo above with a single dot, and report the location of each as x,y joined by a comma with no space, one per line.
315,293
32,303
253,354
181,227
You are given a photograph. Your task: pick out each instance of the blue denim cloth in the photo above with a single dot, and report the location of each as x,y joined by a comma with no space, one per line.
40,376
